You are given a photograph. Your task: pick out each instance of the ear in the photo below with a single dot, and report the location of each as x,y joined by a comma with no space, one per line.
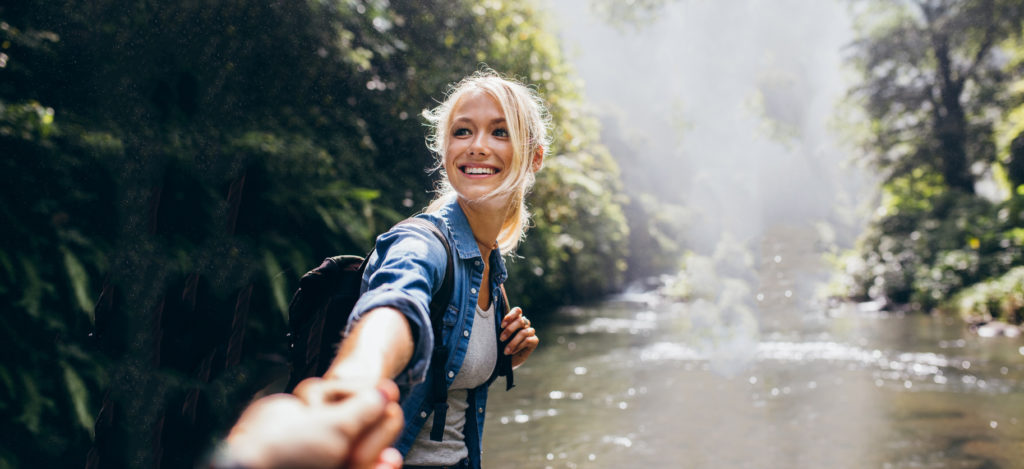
538,159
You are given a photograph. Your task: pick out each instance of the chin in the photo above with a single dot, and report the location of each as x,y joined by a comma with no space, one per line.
473,193
480,199
474,197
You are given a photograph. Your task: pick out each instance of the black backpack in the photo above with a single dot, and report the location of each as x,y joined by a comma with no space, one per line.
320,308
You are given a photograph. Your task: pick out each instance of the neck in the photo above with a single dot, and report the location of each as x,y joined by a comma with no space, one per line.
485,219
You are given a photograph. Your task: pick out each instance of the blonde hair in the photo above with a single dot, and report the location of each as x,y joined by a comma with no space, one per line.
528,122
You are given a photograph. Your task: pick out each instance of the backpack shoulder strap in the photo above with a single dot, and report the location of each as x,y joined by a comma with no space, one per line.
440,300
504,365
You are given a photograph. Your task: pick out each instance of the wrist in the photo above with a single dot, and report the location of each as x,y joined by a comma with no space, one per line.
362,374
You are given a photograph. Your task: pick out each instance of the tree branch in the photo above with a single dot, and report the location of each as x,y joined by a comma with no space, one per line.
986,44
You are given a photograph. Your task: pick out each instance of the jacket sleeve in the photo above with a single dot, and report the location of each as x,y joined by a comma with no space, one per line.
405,270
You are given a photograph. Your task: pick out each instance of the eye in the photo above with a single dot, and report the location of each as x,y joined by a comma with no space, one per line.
461,132
500,132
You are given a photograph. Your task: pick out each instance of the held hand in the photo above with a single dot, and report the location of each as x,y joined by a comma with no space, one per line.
335,386
282,431
524,338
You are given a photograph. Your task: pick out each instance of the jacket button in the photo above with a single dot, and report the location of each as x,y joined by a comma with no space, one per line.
465,333
481,410
451,374
472,290
423,414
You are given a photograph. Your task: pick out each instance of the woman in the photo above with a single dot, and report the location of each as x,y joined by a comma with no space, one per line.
489,136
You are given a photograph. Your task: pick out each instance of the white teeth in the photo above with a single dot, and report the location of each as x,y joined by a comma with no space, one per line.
479,170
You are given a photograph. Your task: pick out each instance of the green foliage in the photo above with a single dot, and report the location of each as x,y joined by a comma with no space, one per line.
1009,132
170,169
997,298
933,74
939,96
655,230
921,250
577,249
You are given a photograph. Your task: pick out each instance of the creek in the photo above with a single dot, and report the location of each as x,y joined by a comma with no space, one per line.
634,382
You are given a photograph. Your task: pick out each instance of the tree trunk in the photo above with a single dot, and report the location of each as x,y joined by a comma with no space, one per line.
951,131
951,123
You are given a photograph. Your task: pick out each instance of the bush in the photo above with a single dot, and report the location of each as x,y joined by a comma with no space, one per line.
998,298
920,251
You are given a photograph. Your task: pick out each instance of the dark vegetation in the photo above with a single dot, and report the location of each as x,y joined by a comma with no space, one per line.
170,169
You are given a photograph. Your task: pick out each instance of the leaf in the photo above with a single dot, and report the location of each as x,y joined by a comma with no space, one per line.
79,395
79,282
35,287
34,405
278,285
364,194
326,217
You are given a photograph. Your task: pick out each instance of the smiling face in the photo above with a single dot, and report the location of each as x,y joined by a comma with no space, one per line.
479,152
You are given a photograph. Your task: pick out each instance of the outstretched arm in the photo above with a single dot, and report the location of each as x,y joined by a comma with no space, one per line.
378,348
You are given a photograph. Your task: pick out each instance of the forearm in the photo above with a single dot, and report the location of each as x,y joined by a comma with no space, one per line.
379,346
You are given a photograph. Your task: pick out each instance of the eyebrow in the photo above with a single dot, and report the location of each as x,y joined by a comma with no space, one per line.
496,120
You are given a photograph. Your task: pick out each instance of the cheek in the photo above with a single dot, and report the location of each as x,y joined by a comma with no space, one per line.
449,155
454,148
506,154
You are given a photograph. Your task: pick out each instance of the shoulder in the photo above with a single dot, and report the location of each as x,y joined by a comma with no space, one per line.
413,242
424,227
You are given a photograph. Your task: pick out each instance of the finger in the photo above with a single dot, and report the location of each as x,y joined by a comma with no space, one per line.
512,323
530,344
511,316
309,390
390,458
369,450
528,347
514,328
516,344
509,332
389,389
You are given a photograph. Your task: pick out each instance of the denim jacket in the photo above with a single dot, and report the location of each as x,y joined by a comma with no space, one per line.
405,270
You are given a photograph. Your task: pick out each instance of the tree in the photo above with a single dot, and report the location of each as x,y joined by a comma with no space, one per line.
933,77
937,86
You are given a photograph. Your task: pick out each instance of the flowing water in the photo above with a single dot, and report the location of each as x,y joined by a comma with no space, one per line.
639,381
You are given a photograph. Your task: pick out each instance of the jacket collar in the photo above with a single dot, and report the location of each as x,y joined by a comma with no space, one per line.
464,242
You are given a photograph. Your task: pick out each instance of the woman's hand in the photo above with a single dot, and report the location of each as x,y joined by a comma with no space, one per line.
354,431
524,338
337,386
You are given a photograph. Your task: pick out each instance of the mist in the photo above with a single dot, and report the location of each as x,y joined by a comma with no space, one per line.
725,108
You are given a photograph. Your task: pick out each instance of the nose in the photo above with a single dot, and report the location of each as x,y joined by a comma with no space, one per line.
479,145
